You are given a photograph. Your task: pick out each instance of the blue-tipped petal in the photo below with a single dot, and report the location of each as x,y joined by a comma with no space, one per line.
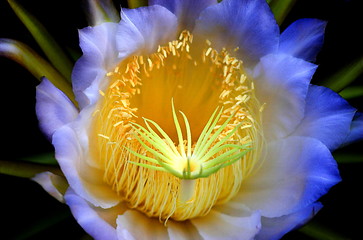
303,38
356,130
143,29
328,117
72,153
187,11
275,228
53,107
249,25
99,56
282,82
297,171
97,222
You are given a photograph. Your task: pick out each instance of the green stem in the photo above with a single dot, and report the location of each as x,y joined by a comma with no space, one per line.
46,42
35,64
136,3
281,9
319,232
345,76
26,170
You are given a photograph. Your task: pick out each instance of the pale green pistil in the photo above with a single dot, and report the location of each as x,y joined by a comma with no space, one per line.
209,154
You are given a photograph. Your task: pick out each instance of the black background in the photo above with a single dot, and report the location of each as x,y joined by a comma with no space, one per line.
24,205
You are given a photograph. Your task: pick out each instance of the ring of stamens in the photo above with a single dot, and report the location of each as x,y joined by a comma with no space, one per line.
153,163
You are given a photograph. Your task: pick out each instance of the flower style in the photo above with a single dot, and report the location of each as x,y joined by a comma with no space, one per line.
196,120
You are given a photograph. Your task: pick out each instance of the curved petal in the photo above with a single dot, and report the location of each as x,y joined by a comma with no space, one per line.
356,130
135,225
327,117
248,25
143,29
187,11
296,172
97,222
282,83
53,108
182,230
303,38
55,185
217,225
98,45
275,228
86,180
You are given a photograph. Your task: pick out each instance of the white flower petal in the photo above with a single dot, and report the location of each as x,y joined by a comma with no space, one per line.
182,230
282,82
135,225
217,225
297,171
87,181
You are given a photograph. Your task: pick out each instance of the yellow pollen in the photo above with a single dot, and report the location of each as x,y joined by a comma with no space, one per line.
176,132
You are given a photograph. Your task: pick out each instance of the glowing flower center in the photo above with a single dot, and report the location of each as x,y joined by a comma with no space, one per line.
175,129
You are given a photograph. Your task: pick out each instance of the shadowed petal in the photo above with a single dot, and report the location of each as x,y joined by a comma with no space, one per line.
97,222
135,225
187,11
356,130
218,225
86,180
143,29
303,38
275,228
55,185
99,56
297,171
249,25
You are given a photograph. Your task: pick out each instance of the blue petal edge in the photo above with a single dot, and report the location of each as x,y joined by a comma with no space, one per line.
53,108
303,38
275,228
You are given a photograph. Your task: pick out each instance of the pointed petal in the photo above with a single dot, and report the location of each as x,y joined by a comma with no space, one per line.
275,228
187,11
327,117
303,38
217,225
296,173
135,225
249,25
55,185
53,108
143,29
282,83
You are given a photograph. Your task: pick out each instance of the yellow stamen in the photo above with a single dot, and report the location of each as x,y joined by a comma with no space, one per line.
170,165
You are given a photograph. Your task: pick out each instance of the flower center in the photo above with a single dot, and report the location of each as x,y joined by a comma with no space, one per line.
176,132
